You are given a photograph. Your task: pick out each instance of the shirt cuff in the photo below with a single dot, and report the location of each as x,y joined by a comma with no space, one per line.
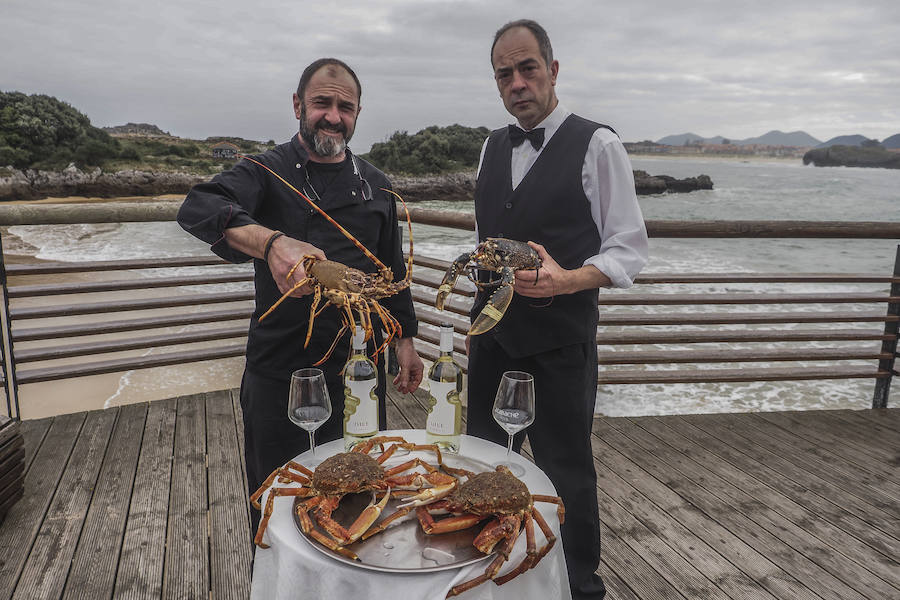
607,265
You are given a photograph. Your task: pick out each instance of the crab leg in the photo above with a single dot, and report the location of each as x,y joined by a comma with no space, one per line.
548,535
530,554
560,508
455,523
368,517
270,505
282,472
490,572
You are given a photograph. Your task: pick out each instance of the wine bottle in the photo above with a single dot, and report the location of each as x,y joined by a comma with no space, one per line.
360,400
445,388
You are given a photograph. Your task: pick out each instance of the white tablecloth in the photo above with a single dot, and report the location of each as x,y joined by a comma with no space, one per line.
291,568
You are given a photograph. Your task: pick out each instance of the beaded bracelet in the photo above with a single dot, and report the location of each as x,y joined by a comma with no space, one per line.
269,243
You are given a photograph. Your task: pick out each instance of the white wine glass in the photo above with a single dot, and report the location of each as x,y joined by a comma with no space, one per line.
514,410
309,404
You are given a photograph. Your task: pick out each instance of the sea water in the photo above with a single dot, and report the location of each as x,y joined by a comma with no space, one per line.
743,190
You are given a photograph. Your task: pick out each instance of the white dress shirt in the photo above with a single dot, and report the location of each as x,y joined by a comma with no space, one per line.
608,183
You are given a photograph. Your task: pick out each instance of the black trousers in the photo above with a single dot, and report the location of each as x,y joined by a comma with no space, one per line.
565,382
271,439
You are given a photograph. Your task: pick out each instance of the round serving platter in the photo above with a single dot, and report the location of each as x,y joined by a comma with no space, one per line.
404,547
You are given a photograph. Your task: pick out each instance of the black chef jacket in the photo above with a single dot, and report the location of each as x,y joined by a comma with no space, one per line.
249,194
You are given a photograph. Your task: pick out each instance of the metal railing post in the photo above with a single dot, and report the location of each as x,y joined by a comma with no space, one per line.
883,386
10,382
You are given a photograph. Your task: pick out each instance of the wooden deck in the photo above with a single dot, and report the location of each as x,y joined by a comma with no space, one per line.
147,501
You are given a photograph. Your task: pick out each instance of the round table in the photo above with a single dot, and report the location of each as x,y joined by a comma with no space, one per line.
292,568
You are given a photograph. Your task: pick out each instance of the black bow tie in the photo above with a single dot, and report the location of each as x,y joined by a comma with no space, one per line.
518,135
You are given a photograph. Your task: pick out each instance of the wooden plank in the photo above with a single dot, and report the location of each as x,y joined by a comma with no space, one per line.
606,337
610,377
47,567
733,538
667,299
56,351
616,588
93,570
126,364
709,318
16,270
830,448
876,442
33,433
797,476
647,357
229,512
803,525
143,547
70,309
657,278
19,529
640,577
141,283
186,573
885,417
680,557
100,327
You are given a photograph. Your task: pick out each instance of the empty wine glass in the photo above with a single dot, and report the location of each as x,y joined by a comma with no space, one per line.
308,404
514,410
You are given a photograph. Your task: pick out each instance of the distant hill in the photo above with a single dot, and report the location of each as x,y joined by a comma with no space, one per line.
844,140
680,139
892,142
136,129
772,138
779,138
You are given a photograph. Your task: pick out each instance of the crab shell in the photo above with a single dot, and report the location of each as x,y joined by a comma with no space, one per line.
347,473
491,493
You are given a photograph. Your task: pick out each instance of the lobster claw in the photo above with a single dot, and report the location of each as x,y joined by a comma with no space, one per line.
496,305
450,278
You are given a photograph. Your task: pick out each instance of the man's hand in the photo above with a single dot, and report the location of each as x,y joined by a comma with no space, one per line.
553,280
284,254
550,280
411,367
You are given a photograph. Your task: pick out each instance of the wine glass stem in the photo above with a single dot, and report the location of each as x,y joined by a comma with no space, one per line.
312,443
509,447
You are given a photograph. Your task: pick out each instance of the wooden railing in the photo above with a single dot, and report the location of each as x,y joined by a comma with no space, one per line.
43,341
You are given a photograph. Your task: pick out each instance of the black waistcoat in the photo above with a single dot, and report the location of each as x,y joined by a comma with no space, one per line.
548,207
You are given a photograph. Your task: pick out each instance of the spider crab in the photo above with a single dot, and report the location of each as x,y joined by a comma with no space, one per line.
346,287
348,473
493,254
495,495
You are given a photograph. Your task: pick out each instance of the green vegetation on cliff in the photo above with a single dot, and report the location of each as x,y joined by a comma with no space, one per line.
42,132
432,150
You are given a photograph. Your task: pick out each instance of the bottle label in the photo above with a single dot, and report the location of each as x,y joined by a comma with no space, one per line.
442,419
360,407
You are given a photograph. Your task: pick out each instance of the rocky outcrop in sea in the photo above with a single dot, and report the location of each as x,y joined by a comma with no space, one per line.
71,181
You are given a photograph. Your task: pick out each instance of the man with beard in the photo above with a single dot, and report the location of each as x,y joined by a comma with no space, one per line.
246,213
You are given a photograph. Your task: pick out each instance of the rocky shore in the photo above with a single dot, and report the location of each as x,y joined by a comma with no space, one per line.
33,185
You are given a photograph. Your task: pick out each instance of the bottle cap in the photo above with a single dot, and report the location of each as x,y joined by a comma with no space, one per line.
446,344
359,338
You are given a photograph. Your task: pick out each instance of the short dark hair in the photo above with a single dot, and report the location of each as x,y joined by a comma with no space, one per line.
314,66
534,27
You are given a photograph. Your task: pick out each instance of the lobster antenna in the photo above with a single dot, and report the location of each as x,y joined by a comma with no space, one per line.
409,224
349,235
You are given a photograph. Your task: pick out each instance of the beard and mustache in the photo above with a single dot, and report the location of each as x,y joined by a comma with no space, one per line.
324,145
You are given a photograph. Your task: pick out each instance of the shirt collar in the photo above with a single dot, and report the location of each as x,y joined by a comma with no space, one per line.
552,121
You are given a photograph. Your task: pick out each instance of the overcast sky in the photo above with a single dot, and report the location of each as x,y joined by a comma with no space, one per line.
649,68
